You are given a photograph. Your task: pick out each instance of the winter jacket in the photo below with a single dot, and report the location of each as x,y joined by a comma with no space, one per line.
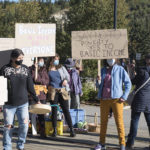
119,77
75,82
19,84
141,102
64,76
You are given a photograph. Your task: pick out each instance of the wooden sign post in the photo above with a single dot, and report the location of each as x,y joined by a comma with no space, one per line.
99,70
36,68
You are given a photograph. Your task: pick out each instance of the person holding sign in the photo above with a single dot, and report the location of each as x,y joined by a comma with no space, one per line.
19,84
41,82
112,95
59,93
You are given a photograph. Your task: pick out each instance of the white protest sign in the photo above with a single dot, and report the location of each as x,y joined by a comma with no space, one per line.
36,40
3,91
100,44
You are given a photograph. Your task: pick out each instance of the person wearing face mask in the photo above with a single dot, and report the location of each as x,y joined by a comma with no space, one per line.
19,84
40,85
74,84
112,96
59,93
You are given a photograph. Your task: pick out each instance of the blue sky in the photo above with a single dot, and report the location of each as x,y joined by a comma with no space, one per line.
18,0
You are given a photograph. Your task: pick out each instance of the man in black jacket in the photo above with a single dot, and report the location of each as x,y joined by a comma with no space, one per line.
19,84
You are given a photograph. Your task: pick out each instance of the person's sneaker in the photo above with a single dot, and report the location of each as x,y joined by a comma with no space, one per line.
122,147
100,147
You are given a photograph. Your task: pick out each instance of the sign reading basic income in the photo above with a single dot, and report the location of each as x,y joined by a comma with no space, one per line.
100,44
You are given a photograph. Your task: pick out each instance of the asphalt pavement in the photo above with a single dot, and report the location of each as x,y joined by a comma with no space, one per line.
88,141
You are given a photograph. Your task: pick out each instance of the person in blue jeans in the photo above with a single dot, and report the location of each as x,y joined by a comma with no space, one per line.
141,102
19,84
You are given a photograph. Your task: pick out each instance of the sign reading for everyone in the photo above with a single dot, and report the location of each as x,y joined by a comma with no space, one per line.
100,44
36,40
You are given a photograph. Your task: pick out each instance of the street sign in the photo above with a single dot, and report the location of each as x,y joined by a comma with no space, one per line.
138,56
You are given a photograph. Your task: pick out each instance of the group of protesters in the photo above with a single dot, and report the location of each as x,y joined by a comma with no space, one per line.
61,84
24,88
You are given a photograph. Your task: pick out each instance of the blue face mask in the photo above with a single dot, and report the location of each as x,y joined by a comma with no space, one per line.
41,63
56,62
111,62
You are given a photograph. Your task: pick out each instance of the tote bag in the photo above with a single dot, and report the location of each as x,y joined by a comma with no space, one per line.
133,93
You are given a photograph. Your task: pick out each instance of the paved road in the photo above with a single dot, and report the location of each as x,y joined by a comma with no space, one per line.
88,141
91,110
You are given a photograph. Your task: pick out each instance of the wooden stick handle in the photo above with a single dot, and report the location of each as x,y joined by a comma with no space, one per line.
99,70
36,68
95,119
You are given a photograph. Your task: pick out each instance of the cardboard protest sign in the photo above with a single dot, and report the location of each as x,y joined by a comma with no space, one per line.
36,40
3,91
100,44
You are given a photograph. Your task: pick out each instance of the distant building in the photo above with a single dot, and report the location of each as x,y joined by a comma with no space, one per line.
61,17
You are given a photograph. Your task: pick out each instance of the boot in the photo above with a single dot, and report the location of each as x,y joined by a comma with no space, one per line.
42,134
72,133
42,130
54,132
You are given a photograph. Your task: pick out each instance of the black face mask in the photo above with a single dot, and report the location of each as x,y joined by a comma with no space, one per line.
18,62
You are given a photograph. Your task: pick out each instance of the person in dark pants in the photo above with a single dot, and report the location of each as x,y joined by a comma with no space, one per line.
19,84
141,102
59,93
41,83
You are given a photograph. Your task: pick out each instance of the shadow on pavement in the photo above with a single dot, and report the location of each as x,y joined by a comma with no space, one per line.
116,136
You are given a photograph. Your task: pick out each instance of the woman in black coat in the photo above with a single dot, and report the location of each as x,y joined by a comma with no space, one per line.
141,102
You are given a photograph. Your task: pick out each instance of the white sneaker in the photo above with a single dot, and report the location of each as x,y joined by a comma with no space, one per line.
100,147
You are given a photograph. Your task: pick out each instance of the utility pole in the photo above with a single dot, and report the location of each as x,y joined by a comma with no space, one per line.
115,14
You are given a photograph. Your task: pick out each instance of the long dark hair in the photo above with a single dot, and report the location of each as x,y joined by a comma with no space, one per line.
51,62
